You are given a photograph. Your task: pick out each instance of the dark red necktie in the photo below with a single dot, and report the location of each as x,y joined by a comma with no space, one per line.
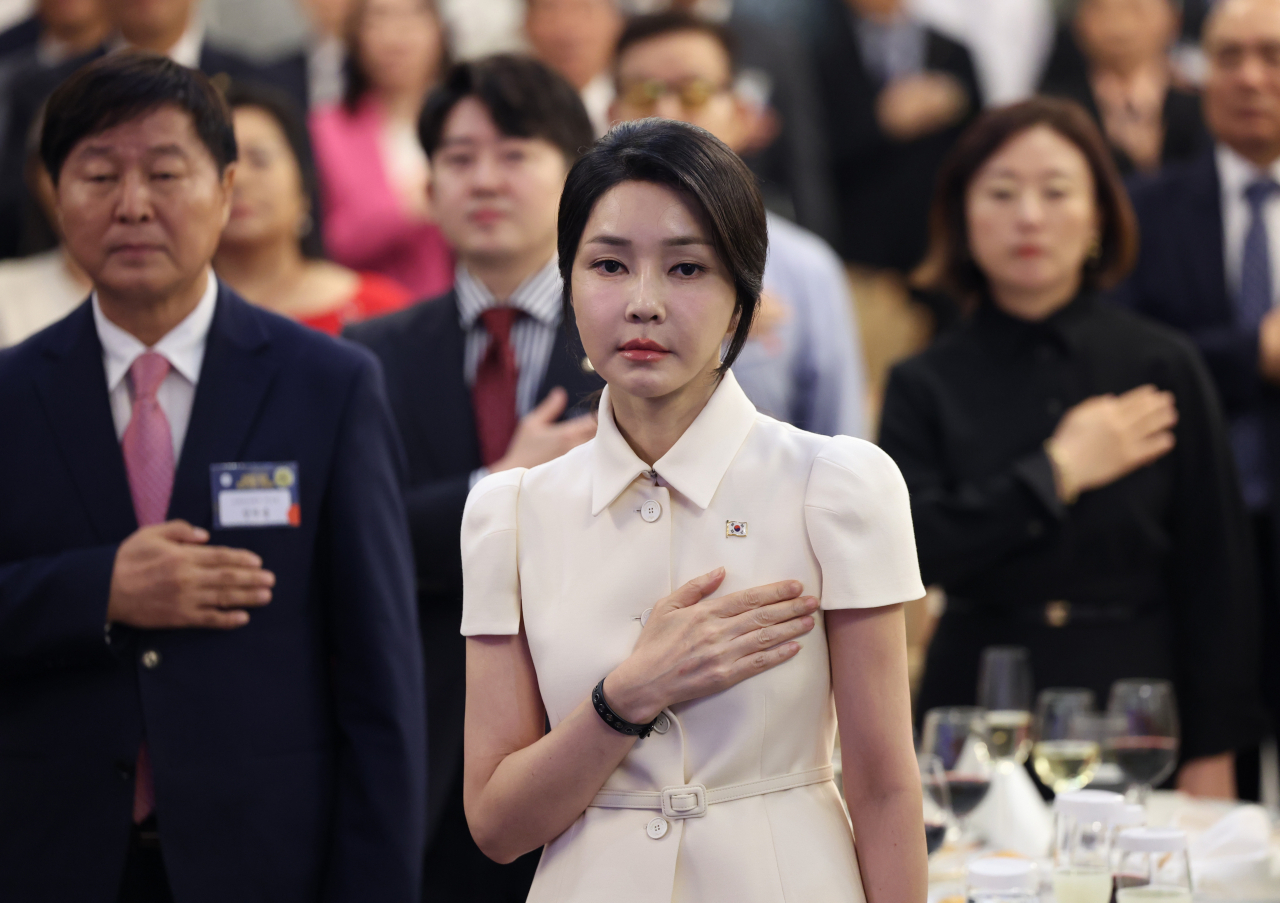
494,394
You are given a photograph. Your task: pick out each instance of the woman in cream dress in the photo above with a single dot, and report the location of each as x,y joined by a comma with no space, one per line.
726,582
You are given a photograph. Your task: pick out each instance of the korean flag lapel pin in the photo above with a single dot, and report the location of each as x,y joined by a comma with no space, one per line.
735,528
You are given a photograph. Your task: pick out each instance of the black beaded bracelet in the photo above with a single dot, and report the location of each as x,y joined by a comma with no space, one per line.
611,718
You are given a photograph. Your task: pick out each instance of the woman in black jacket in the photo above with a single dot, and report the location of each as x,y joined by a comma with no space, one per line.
1071,480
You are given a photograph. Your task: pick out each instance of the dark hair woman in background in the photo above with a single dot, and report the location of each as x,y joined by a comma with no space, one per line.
270,251
716,715
1071,483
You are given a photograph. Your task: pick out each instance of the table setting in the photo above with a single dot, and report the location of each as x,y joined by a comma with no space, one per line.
1105,836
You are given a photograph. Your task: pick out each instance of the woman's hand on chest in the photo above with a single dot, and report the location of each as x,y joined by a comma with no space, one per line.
693,646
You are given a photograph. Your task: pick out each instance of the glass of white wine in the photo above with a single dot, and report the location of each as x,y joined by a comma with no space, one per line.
1064,755
1147,750
1005,691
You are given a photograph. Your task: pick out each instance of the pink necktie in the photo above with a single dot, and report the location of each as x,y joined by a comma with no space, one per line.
148,460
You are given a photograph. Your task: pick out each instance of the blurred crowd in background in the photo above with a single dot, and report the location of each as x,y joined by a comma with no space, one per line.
846,110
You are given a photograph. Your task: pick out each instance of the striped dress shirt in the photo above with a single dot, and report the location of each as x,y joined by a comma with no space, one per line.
532,336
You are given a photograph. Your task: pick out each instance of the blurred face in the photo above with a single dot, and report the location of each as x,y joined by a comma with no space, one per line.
1242,84
1032,216
652,300
141,206
495,197
876,9
328,17
574,37
268,203
682,75
64,15
1124,33
149,21
400,45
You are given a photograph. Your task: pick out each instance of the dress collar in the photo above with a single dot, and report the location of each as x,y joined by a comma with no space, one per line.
694,466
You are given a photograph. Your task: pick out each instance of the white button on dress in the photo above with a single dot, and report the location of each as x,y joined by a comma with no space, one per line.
560,550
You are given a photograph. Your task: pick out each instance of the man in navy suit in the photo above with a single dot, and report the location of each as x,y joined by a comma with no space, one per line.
1209,265
479,380
210,681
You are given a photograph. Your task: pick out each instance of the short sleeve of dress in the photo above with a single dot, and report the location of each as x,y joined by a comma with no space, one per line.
490,571
858,515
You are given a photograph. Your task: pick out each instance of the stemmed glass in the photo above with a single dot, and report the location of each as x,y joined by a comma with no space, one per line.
1005,691
1065,757
958,737
937,801
1147,752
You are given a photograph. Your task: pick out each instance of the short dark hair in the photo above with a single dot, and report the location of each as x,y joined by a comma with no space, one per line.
525,98
123,86
700,167
353,68
949,265
284,110
645,28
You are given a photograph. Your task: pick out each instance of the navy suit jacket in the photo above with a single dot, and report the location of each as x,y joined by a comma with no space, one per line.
288,755
421,350
1180,279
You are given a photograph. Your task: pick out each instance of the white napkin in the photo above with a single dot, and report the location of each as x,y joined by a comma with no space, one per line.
1231,859
1013,816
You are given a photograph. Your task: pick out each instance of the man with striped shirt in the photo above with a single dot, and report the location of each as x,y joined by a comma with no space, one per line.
484,378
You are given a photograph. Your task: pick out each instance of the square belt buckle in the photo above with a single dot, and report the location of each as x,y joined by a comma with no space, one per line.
684,801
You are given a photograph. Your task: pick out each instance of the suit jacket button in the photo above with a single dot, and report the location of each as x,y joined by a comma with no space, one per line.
662,724
151,659
657,828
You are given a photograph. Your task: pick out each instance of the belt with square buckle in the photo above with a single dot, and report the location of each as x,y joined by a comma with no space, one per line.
691,800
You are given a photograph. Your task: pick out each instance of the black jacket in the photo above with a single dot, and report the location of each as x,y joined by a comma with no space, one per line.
884,187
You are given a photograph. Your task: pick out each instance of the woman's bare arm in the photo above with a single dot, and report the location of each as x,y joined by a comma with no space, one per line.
881,779
522,787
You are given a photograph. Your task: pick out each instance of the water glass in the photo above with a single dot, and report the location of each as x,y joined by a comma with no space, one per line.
1152,866
1082,821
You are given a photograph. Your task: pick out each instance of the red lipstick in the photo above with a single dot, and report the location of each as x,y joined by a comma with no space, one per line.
642,350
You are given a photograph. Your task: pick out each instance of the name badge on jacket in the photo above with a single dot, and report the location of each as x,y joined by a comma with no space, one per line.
255,494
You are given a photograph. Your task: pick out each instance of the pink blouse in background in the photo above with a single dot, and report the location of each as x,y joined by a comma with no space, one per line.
364,225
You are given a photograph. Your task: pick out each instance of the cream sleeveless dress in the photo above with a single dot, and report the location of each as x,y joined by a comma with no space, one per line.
580,547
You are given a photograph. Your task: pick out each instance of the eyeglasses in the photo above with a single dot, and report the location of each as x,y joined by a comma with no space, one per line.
693,94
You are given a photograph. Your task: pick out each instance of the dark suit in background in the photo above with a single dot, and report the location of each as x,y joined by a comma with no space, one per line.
1180,279
421,350
883,186
288,755
1185,135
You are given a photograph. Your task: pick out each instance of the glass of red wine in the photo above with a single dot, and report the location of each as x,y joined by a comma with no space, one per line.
1147,750
937,801
957,735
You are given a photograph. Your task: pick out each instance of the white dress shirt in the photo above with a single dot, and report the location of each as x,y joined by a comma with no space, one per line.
1234,175
597,96
1010,40
36,291
186,52
183,347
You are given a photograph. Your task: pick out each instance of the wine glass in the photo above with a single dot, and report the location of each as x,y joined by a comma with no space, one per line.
1147,751
1103,728
1063,758
1004,690
958,737
937,801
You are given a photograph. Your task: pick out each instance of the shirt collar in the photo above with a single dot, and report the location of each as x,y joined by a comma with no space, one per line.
1062,327
694,466
183,346
539,296
1235,172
